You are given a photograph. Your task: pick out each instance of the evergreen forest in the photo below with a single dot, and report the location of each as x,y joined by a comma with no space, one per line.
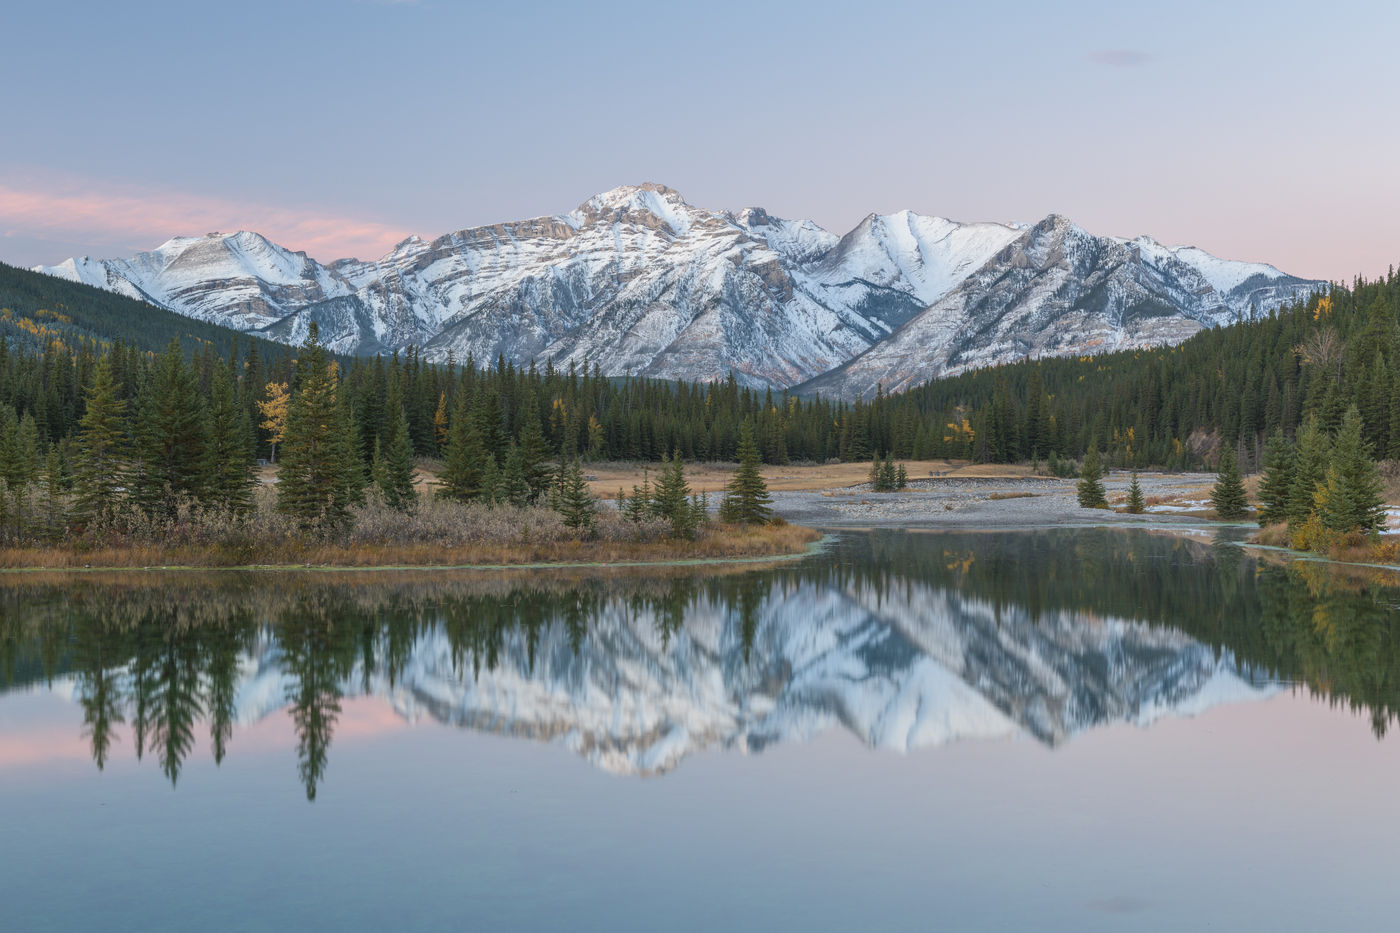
104,398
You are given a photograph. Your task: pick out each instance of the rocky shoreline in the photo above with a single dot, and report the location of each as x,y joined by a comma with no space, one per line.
1009,502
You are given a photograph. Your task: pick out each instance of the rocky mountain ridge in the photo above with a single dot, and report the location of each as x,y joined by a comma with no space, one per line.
640,282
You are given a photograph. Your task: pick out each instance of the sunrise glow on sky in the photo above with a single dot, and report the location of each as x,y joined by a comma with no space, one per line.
1257,131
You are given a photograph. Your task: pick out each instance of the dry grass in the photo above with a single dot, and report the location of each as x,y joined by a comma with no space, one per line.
438,533
999,496
1353,547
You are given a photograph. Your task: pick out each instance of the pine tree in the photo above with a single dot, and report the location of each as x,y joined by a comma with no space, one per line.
320,475
855,434
1314,452
699,509
901,478
1353,498
1090,489
346,450
535,452
171,462
746,500
1228,495
1276,483
889,479
101,462
514,488
671,499
1136,504
490,482
396,467
19,454
228,474
486,412
574,501
639,504
466,456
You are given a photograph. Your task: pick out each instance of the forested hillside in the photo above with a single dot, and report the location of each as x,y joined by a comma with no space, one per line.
1173,406
1169,407
36,310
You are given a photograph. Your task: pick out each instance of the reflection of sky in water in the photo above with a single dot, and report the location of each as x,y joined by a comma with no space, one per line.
1279,814
1140,785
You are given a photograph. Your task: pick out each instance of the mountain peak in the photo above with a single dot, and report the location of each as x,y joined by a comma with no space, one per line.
648,204
754,217
643,283
1055,221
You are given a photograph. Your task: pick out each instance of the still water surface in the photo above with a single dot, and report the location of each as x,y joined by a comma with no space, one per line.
1076,729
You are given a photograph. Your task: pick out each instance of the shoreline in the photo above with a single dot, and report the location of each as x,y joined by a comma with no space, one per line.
811,545
997,503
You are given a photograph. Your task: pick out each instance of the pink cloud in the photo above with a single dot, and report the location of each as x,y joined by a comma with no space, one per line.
84,211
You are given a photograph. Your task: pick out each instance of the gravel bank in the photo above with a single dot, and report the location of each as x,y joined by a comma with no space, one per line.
968,503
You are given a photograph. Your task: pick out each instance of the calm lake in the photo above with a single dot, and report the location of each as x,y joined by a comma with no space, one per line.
1075,729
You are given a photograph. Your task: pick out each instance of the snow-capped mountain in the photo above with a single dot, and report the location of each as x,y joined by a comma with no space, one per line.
641,282
1057,290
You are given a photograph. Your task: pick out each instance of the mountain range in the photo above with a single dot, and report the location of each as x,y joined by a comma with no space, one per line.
640,282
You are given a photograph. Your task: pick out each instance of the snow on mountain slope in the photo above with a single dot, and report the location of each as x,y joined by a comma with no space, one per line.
240,280
640,282
1057,290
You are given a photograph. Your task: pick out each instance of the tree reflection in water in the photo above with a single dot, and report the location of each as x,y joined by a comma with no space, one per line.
164,654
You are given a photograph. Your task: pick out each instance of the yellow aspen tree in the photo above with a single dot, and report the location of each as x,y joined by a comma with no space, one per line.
274,412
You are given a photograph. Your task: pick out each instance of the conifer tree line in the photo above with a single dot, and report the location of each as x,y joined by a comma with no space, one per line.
1176,407
156,432
107,421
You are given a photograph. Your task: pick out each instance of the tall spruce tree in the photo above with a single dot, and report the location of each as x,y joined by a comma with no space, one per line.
321,472
171,437
466,455
573,500
1314,452
395,478
1228,495
101,463
1352,500
514,488
535,452
228,465
1136,503
1276,483
490,482
671,499
1090,491
746,500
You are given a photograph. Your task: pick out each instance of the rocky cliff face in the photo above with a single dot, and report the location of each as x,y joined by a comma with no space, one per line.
639,282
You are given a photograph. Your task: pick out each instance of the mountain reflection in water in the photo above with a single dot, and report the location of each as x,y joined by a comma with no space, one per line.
905,639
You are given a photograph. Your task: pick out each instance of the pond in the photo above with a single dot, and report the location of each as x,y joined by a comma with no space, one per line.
1068,729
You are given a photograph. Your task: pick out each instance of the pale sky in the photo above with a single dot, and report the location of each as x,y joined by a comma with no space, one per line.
1258,131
